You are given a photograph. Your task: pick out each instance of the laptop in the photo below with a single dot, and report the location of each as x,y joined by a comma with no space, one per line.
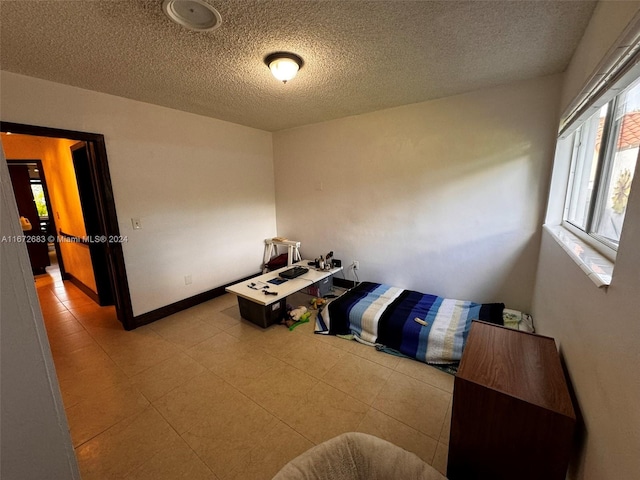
293,272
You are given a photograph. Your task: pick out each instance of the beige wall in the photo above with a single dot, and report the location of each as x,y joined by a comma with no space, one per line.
445,197
202,188
597,330
63,192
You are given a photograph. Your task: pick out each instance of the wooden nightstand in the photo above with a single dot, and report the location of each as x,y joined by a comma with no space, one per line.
512,416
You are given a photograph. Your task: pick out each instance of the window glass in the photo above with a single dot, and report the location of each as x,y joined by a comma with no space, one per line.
586,151
619,166
38,198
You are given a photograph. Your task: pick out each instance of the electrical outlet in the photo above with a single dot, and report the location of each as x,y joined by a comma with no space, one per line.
136,223
356,265
187,280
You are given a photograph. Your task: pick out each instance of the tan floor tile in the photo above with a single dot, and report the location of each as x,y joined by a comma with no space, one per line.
127,446
197,401
446,426
138,359
43,288
209,352
218,319
62,328
52,307
89,382
246,331
69,362
310,355
224,438
440,458
383,426
237,362
281,445
426,373
113,337
177,461
77,302
246,367
184,329
233,312
133,351
370,353
414,403
67,288
280,389
341,343
95,316
358,377
65,294
93,416
70,343
61,316
325,413
217,304
160,379
275,340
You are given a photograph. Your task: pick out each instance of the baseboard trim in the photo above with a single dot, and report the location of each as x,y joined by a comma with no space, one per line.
157,314
85,289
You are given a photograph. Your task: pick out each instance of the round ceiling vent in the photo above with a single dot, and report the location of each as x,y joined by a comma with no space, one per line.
195,15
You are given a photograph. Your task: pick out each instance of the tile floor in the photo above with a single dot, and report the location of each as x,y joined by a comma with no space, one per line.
204,394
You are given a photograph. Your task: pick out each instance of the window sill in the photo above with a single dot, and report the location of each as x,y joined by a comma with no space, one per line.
597,267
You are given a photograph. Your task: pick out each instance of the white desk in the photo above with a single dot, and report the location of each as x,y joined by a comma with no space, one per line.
263,309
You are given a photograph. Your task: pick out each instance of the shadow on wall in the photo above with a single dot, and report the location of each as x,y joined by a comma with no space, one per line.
487,268
580,436
445,197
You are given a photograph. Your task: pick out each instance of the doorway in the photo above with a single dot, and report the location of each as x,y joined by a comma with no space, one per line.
32,199
101,233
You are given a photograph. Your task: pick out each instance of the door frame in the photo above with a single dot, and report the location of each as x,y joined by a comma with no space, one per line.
106,209
84,164
52,219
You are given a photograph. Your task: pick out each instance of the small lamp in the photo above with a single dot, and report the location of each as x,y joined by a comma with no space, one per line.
284,65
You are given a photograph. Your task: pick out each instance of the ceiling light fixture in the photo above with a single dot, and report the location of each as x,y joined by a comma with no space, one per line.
195,15
284,65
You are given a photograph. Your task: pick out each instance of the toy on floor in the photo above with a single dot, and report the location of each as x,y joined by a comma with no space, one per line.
295,316
317,303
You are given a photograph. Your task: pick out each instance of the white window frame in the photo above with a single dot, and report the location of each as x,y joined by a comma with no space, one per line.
605,246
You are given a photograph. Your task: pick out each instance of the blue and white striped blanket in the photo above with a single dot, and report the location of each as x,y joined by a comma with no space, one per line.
384,315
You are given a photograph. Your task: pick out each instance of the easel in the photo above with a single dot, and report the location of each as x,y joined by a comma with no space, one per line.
271,247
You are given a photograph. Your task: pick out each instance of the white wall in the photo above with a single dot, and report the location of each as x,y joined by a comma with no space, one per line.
203,188
597,330
35,437
445,197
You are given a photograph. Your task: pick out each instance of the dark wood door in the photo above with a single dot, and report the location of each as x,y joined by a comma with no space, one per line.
84,166
34,238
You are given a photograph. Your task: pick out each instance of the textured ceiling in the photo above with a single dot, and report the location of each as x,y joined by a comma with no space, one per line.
360,56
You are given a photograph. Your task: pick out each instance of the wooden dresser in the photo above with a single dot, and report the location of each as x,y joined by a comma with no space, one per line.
512,416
